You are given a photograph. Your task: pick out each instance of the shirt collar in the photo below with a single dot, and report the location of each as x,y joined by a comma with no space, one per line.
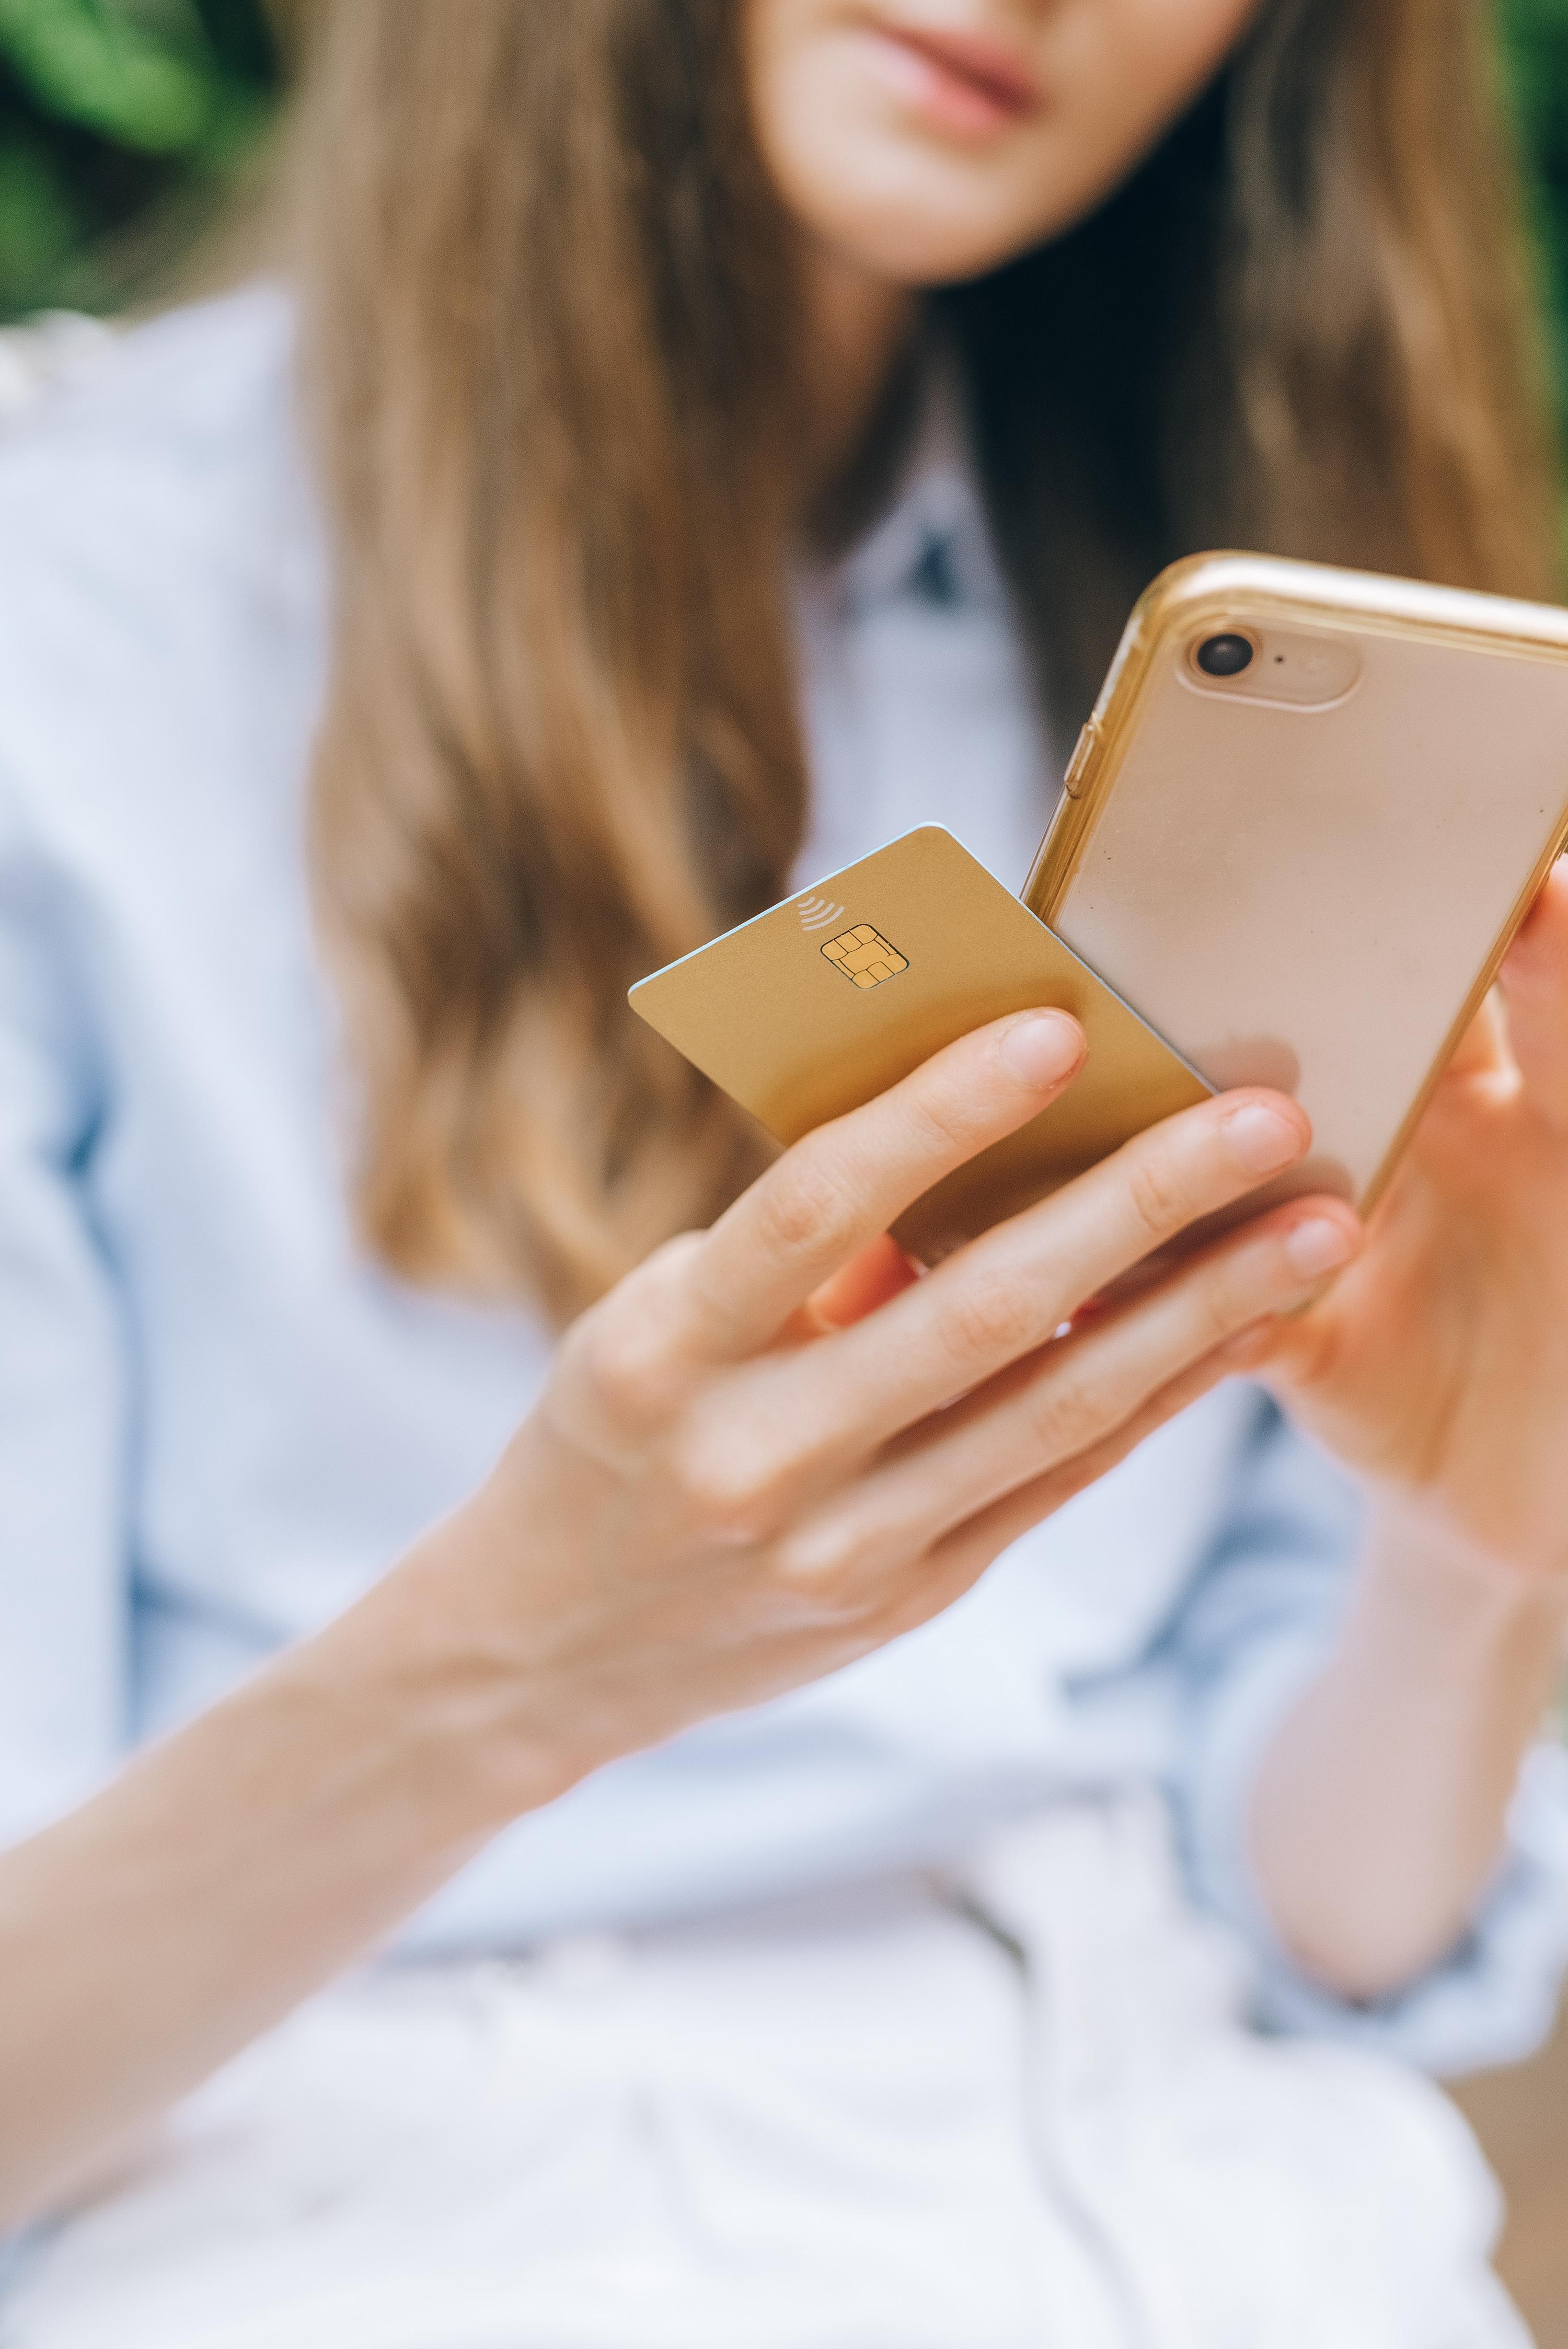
932,547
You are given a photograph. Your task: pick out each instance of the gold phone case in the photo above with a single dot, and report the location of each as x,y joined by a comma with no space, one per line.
1309,877
816,1006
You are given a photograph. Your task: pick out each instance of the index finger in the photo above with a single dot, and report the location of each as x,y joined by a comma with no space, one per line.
842,1186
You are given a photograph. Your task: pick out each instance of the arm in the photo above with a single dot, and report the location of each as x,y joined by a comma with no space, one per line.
228,1872
1380,1809
1439,1369
740,1478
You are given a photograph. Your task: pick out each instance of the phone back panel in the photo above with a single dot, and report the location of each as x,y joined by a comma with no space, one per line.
1316,896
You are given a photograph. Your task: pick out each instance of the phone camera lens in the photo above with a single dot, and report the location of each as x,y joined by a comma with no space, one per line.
1225,656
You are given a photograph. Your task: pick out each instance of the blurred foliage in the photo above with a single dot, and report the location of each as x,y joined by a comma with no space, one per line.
1535,58
123,122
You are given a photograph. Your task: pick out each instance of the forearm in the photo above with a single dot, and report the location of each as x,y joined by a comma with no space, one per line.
1379,1810
235,1868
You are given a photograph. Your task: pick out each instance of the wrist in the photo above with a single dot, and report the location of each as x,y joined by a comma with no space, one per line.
434,1668
1379,1808
1455,1592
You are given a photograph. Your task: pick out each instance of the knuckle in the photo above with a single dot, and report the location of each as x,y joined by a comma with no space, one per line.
621,1353
730,1483
987,1319
827,1561
1159,1195
945,1125
803,1205
1070,1417
1223,1304
1249,1279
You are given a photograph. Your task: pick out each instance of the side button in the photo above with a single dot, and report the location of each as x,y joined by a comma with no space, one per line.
1084,749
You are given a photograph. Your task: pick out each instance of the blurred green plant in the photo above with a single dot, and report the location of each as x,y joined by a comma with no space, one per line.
122,124
1535,59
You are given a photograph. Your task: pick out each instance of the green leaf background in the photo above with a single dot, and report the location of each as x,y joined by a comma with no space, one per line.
122,123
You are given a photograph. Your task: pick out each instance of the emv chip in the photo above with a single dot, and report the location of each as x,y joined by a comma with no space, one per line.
864,956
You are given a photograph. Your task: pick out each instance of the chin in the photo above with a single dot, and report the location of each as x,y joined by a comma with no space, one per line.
919,234
920,264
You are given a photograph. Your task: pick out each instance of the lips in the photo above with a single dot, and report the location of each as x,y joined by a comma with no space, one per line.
976,82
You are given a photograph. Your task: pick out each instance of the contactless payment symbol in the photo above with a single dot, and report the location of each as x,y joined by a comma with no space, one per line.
864,956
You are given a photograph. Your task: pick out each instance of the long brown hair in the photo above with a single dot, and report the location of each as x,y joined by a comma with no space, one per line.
548,296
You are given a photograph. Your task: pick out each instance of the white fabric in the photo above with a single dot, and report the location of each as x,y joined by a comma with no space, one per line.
1012,2109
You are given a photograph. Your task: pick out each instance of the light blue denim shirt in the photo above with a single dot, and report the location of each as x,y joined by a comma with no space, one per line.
220,1421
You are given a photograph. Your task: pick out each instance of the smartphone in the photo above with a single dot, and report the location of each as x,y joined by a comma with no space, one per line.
1308,813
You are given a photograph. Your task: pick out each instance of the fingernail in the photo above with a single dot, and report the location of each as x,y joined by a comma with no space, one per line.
1261,1140
1319,1246
1042,1047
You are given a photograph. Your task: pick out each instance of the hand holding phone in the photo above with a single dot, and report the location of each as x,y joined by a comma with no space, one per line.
802,1490
1308,815
1309,812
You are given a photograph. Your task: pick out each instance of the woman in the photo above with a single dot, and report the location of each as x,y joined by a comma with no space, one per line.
780,1957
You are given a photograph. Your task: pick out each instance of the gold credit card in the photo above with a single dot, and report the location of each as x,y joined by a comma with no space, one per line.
816,1006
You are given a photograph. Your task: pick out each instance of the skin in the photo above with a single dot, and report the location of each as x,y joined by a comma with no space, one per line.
769,1451
1437,1370
890,195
